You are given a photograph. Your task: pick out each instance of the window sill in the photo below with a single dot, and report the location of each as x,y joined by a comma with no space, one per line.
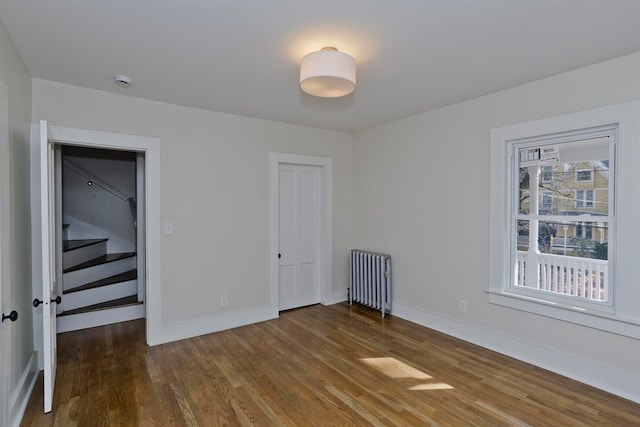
604,321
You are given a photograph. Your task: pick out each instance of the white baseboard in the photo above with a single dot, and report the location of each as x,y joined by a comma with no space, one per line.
233,319
335,297
20,396
214,323
619,383
92,319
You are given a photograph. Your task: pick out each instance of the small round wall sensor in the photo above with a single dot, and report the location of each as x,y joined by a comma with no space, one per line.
123,81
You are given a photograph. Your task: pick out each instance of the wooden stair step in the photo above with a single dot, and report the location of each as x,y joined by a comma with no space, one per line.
69,245
120,302
122,277
101,260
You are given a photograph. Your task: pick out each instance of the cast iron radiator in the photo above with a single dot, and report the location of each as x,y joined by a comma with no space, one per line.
370,281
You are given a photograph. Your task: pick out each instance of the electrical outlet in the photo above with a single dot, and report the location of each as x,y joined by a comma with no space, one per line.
463,306
224,300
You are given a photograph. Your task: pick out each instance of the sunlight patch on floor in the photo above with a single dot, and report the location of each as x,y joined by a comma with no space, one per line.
393,368
433,386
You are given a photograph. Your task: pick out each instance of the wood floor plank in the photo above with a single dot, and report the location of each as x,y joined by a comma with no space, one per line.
315,366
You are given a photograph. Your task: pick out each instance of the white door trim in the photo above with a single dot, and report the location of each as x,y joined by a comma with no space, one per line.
141,227
6,303
326,223
151,148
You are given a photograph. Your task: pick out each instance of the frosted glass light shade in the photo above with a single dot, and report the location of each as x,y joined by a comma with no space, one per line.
328,73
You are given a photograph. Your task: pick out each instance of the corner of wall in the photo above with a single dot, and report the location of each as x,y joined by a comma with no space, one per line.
616,382
19,398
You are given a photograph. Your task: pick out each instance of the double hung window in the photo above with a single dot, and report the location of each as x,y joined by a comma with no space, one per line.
562,215
564,223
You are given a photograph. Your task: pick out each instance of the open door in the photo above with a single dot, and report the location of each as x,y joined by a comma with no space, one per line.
47,223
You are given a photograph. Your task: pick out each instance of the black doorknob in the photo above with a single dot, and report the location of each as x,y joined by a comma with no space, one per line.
13,316
279,256
37,302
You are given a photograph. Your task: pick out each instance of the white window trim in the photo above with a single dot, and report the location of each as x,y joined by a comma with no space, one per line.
624,317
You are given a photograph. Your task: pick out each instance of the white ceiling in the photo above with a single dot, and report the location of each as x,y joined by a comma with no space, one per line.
242,56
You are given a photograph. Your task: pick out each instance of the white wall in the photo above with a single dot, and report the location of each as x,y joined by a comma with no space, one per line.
215,191
17,261
421,193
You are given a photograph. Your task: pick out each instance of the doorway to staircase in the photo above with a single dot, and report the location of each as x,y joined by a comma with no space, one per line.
101,244
47,241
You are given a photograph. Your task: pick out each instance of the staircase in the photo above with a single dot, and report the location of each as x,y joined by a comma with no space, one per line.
98,288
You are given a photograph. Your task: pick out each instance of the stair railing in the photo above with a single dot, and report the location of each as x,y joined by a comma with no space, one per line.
92,179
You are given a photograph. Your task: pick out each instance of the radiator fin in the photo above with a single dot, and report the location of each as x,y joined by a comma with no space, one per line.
370,279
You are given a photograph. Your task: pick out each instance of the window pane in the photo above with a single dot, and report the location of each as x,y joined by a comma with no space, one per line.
576,238
520,265
563,193
547,231
522,230
546,205
523,193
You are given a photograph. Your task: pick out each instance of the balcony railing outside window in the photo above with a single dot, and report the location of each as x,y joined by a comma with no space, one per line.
566,275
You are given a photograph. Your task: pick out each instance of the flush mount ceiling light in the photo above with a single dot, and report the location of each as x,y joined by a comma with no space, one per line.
328,73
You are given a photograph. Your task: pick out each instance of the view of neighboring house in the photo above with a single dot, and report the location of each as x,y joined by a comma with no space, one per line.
570,189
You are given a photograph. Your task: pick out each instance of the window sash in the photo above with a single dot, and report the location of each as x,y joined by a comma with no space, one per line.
533,212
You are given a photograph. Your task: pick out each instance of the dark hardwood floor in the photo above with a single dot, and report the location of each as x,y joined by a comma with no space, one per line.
315,366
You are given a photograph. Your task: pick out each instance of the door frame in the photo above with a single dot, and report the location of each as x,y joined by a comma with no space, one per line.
325,251
6,302
141,226
151,148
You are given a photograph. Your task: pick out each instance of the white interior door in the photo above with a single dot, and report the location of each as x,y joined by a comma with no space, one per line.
299,235
47,223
